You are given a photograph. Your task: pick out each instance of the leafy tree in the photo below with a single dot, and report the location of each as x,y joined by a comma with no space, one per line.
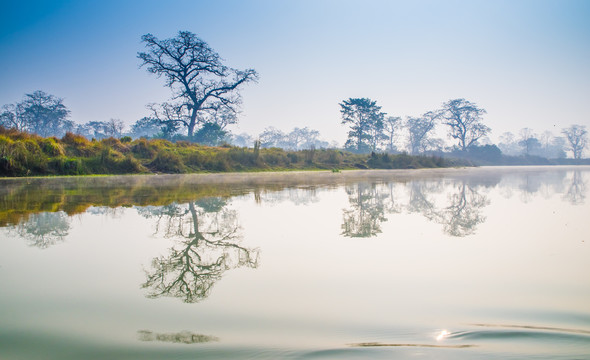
464,120
419,129
97,129
38,113
145,127
243,140
210,134
577,139
528,141
366,124
200,83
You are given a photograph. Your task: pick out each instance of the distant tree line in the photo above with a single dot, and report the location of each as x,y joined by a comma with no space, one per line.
205,101
372,130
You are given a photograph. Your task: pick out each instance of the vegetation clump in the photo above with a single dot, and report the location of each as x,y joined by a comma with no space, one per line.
23,154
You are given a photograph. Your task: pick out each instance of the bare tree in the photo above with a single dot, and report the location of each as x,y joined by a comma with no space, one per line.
115,127
194,72
464,120
390,128
419,129
272,137
12,117
577,138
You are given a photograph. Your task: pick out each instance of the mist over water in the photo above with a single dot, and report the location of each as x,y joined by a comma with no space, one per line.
451,264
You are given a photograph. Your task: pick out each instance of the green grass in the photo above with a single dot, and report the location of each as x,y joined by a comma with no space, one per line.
23,154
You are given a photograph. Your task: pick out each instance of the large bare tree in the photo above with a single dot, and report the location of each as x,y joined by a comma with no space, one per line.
464,120
201,84
577,139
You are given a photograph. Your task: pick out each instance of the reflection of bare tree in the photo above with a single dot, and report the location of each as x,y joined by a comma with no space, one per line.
576,193
207,245
420,197
44,229
367,210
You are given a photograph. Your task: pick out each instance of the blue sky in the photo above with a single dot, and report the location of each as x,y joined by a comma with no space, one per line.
526,62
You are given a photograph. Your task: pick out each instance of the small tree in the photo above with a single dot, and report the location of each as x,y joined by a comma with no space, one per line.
464,120
145,127
366,124
528,141
272,137
114,127
210,134
390,128
577,139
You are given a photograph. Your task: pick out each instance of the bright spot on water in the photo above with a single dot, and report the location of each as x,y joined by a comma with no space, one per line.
442,335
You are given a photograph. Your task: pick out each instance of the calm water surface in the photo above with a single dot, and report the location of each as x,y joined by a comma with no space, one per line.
489,263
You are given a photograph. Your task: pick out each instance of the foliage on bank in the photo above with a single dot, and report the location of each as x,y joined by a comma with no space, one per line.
24,154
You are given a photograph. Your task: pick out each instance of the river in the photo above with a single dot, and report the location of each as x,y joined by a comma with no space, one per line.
481,263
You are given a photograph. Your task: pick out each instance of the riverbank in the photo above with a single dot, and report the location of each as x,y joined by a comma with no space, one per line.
23,154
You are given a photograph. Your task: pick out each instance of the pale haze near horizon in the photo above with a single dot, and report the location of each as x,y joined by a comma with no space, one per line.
525,62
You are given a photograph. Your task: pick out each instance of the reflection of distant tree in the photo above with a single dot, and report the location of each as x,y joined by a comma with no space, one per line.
576,193
207,245
459,214
298,196
44,229
367,210
185,337
464,211
420,197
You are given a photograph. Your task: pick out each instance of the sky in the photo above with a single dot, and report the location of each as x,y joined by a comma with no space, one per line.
526,62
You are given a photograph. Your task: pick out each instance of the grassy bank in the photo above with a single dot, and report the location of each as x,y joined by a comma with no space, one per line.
23,154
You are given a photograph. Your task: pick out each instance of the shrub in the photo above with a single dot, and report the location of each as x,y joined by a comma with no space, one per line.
142,149
66,166
115,144
167,162
51,147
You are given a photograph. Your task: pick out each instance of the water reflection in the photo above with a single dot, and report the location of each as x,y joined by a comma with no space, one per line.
368,205
462,213
39,210
576,192
206,244
185,337
459,213
44,229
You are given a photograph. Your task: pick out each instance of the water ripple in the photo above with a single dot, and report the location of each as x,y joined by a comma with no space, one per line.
507,332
